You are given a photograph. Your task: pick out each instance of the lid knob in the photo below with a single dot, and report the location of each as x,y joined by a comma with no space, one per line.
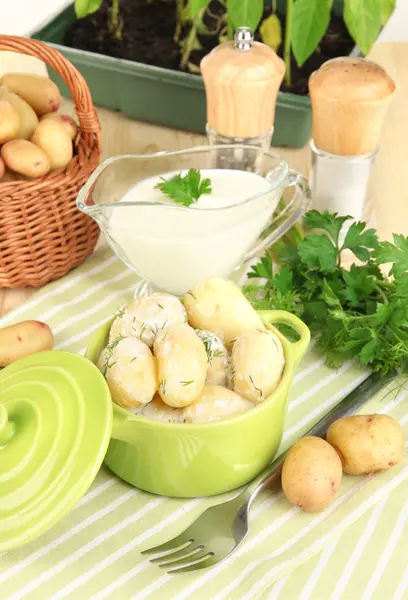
350,97
242,78
6,428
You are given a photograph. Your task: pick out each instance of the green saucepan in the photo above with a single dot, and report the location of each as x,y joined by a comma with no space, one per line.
189,460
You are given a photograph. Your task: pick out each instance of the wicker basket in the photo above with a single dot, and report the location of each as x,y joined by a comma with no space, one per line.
42,233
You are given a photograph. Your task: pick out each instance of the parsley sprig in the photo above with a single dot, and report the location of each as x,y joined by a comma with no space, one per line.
357,313
185,190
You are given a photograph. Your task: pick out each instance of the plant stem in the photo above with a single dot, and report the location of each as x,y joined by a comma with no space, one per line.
188,45
230,29
274,6
115,23
288,41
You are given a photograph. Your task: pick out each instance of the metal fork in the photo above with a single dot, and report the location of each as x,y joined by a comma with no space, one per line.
221,529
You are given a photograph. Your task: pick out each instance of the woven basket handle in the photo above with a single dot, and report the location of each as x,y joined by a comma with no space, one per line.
88,119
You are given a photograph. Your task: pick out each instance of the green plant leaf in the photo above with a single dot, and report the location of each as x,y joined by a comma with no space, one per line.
387,8
245,13
196,5
271,32
310,21
363,20
83,8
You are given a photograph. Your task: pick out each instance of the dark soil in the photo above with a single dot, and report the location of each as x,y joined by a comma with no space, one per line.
148,30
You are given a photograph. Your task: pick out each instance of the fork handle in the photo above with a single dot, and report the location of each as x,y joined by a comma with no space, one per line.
351,403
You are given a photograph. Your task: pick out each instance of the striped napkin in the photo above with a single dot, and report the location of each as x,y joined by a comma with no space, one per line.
355,549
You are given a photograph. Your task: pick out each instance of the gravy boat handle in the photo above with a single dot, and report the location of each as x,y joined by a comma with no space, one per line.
293,211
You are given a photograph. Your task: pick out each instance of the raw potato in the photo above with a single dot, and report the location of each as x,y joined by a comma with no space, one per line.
311,474
23,339
215,403
367,443
40,92
25,158
157,410
218,358
52,137
181,364
28,118
146,315
257,362
218,305
2,168
130,370
66,121
9,122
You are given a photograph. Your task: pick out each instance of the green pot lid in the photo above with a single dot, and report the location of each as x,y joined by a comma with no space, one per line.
55,427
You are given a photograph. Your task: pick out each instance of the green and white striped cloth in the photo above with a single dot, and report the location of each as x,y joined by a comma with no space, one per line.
354,550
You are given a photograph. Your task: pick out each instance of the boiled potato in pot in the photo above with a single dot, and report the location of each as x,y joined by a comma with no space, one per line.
130,371
367,443
38,91
311,474
23,339
28,118
219,306
218,358
157,410
181,364
146,315
9,122
52,137
215,403
257,362
25,158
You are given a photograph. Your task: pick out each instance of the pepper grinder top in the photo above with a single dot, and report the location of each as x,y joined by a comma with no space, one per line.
242,79
350,97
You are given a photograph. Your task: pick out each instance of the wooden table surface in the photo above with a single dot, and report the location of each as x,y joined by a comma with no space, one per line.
388,190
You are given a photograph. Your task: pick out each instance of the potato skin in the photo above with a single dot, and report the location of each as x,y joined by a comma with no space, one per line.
28,118
181,364
38,91
311,474
23,339
218,305
9,122
257,362
367,443
214,404
25,158
53,139
2,168
66,121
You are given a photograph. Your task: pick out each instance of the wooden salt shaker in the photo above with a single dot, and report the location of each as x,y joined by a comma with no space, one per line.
242,79
350,98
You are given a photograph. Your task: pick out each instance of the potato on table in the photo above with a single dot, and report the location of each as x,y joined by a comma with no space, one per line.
145,316
23,339
218,358
257,362
311,474
219,306
367,443
130,370
215,403
38,91
25,158
181,364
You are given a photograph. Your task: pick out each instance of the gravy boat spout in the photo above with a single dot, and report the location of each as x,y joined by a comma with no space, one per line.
211,219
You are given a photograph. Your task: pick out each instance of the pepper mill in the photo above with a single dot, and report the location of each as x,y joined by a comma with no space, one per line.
242,79
350,98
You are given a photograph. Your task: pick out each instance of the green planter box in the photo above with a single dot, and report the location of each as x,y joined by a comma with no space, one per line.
159,95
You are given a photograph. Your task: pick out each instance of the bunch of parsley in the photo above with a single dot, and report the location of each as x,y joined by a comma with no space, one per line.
355,313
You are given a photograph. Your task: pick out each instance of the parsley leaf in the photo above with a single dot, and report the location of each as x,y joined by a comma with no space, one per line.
185,190
396,253
359,241
317,251
329,222
263,269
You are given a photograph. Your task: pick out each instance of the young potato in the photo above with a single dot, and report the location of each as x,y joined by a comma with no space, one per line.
257,362
23,339
146,315
2,168
9,122
218,358
311,474
66,121
25,158
214,404
40,92
28,118
367,443
51,136
157,410
130,370
218,305
181,364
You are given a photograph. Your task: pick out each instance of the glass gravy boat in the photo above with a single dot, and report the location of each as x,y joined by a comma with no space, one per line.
172,246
